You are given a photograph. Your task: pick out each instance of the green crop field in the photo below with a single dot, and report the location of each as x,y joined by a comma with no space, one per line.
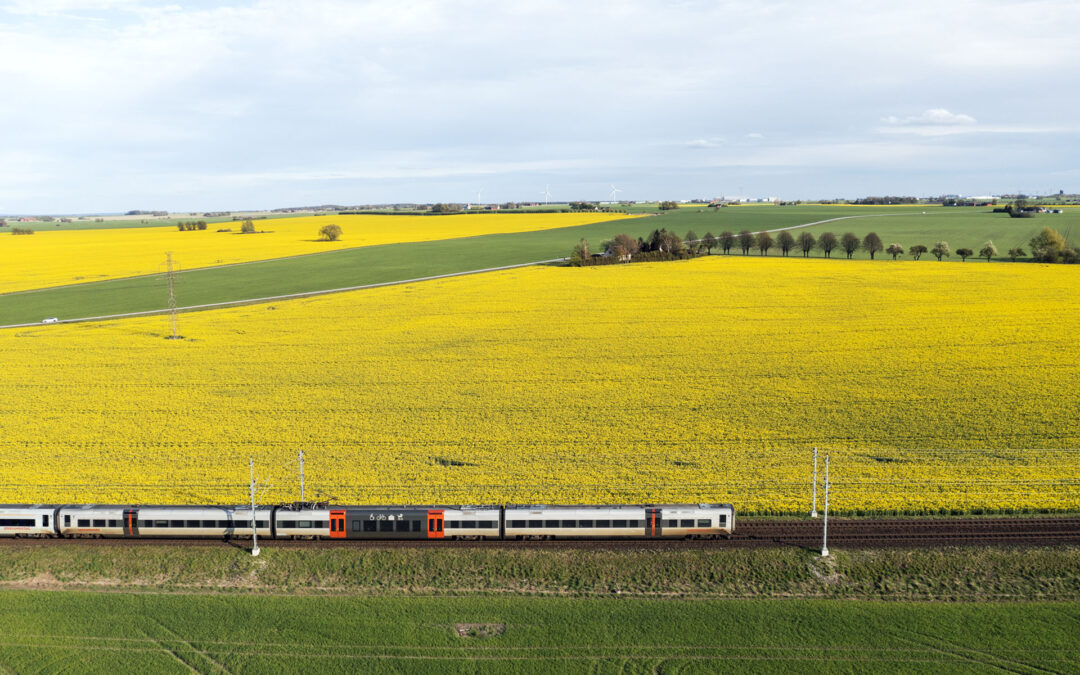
109,633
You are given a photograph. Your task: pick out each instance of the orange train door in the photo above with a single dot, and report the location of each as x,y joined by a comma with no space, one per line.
337,524
435,524
654,524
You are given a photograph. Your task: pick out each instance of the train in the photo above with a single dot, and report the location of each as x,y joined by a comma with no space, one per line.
323,521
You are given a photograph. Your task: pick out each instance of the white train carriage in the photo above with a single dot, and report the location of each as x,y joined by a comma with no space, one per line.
646,521
91,520
472,522
27,520
301,523
198,521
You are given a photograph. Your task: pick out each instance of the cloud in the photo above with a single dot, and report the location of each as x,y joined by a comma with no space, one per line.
933,116
705,143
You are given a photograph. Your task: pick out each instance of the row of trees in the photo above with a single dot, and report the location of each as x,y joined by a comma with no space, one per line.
189,225
1047,246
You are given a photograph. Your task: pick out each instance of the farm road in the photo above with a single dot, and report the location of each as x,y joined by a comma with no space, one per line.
289,296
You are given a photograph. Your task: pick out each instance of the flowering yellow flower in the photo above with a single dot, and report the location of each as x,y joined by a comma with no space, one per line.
933,386
53,258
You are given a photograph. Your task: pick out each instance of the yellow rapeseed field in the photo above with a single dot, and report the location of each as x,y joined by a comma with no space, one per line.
935,386
77,256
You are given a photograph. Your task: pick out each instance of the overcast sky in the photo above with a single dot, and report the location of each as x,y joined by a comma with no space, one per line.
110,105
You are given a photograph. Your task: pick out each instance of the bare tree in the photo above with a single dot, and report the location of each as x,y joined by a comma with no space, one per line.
895,250
746,241
726,241
827,242
764,242
850,243
580,255
691,239
807,243
916,251
785,241
709,242
871,243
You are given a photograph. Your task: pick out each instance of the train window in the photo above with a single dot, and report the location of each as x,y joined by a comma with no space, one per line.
356,526
671,523
225,524
471,524
321,524
585,523
386,526
191,523
618,523
723,520
416,526
45,521
84,522
287,524
161,523
635,523
369,526
536,523
17,522
176,523
704,522
569,523
603,523
262,523
517,523
114,523
486,524
67,521
401,526
303,523
209,523
551,523
99,522
687,522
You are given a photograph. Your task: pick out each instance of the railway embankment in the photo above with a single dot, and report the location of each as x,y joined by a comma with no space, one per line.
948,573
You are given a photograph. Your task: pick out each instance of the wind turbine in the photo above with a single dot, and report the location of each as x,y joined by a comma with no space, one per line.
614,190
547,194
478,193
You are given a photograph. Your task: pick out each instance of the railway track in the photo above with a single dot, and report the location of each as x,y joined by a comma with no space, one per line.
851,533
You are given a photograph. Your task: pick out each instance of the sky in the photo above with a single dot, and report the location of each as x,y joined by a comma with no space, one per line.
112,105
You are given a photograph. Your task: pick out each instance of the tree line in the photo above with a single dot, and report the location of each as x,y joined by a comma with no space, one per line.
1048,246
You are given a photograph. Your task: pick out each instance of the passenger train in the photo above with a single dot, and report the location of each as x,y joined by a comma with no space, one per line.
306,520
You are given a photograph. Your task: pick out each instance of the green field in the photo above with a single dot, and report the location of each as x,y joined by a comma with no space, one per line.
976,573
85,632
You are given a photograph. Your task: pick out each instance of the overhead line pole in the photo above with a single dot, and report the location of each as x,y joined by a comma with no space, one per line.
302,476
254,523
825,528
813,499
